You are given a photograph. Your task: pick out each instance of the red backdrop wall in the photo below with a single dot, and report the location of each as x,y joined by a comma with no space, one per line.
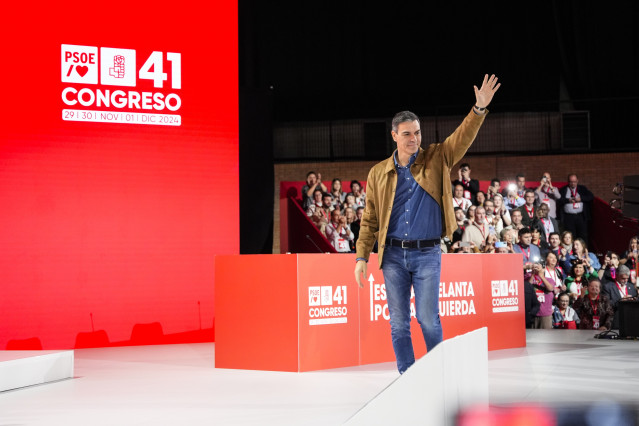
107,226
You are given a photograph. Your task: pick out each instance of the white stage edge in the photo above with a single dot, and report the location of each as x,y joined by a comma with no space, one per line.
19,369
450,378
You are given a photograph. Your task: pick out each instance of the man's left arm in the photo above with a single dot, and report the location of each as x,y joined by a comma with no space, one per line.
456,145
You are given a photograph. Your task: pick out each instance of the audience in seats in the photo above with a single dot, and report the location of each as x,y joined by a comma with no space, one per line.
339,196
459,200
528,210
510,237
547,194
338,233
470,214
480,198
619,290
493,219
564,316
566,242
608,271
574,207
515,223
470,187
320,215
313,182
594,310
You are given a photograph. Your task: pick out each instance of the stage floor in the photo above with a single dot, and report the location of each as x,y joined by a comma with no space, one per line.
178,384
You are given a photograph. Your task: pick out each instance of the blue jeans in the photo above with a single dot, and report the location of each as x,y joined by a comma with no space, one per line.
419,268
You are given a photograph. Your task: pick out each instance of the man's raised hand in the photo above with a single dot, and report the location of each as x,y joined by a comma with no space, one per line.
485,94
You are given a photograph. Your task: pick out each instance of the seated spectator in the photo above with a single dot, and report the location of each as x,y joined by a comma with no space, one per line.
461,224
577,281
321,216
470,214
544,223
564,316
478,230
630,258
548,194
349,214
338,233
528,210
554,272
510,237
470,186
493,189
580,251
358,193
313,182
608,271
594,310
489,246
619,290
339,196
350,202
480,197
511,199
491,218
544,291
530,253
500,209
537,241
459,200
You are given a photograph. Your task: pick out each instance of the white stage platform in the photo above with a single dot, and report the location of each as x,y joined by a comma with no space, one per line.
20,369
178,384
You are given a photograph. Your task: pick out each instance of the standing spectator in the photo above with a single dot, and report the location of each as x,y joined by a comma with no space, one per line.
619,290
511,199
594,310
564,316
548,194
313,182
608,271
528,210
554,246
544,222
510,237
544,291
500,209
530,253
493,189
338,233
470,186
578,280
360,195
478,230
630,258
339,196
531,303
462,222
520,180
536,240
516,218
459,200
574,207
566,242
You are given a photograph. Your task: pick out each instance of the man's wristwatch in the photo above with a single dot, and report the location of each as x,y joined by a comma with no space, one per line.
480,109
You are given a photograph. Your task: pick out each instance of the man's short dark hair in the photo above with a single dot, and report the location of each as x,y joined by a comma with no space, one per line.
359,208
402,117
464,165
529,191
495,180
553,233
327,194
524,231
355,181
520,175
320,191
310,173
458,208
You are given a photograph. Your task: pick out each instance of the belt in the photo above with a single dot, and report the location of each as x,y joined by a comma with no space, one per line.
411,244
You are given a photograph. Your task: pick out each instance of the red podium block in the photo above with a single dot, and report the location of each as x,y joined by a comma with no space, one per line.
302,312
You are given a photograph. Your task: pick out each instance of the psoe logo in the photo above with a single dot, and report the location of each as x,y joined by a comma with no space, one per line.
327,304
505,295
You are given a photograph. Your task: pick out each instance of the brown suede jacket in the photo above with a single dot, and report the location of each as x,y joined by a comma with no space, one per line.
431,171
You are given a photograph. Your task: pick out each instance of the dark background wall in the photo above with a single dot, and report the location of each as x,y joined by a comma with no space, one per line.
345,60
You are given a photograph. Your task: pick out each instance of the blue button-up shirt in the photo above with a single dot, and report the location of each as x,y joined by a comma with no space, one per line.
416,215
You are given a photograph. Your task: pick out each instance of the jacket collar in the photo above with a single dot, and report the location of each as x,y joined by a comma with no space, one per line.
390,162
